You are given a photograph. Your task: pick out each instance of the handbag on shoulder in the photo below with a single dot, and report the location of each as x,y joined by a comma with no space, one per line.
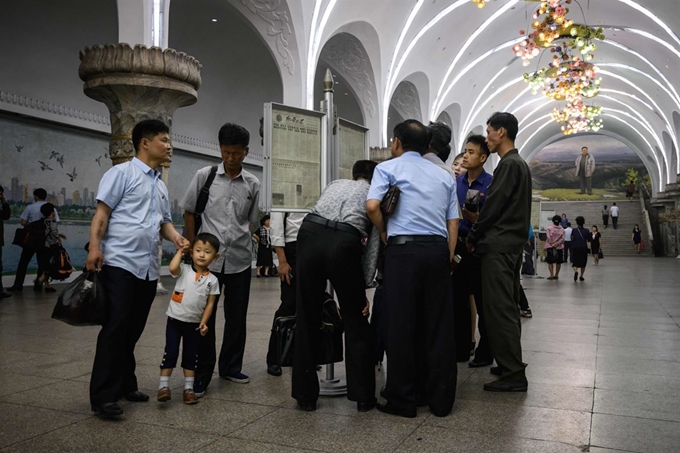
389,202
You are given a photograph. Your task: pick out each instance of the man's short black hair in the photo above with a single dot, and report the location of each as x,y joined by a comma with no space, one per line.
233,134
481,141
580,221
1,189
584,147
47,209
40,193
505,120
363,169
441,139
147,129
414,135
207,238
568,224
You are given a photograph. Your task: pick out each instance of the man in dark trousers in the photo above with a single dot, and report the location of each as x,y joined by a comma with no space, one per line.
232,206
133,209
284,231
498,237
330,247
421,239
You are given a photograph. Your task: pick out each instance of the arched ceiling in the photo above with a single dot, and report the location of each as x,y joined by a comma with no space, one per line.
465,54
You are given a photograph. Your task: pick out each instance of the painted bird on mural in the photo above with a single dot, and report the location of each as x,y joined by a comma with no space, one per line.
19,148
73,175
99,159
60,159
44,166
54,154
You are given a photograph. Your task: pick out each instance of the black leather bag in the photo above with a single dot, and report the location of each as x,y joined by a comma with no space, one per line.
19,237
31,236
389,202
328,350
284,329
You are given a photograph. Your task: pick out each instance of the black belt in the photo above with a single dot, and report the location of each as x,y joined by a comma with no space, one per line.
400,240
340,226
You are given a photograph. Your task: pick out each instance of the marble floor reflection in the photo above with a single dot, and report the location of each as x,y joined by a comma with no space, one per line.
604,375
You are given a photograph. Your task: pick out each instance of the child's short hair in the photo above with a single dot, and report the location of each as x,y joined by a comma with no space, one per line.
47,209
208,239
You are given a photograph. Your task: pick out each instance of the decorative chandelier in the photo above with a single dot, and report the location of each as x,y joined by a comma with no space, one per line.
570,76
481,3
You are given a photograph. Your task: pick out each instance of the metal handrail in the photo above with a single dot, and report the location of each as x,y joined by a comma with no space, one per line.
645,217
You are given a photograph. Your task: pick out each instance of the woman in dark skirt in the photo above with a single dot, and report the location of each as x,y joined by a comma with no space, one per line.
554,244
580,238
637,238
595,244
264,249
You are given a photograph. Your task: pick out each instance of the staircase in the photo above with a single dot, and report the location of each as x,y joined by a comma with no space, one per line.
614,242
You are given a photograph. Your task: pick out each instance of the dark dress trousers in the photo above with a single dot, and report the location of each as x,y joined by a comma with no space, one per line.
326,253
417,323
288,297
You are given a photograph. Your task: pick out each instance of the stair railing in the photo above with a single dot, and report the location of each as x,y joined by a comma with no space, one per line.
645,217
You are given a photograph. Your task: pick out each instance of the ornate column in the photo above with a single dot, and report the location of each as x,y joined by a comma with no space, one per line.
137,84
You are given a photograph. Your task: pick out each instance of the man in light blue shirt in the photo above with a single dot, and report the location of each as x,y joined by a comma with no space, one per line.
132,209
30,214
421,238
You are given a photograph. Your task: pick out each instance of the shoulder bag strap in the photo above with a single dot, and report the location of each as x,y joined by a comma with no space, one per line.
202,200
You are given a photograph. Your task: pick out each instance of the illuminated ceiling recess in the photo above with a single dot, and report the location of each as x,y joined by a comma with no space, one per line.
570,75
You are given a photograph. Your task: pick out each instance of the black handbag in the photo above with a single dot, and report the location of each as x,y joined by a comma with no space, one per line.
284,330
389,202
600,255
19,237
328,350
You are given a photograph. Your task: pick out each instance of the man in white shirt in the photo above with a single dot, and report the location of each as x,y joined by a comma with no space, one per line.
614,211
567,241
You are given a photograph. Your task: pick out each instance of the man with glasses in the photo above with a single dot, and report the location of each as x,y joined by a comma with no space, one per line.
232,205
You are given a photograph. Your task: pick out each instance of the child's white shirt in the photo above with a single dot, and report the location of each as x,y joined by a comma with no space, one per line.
191,294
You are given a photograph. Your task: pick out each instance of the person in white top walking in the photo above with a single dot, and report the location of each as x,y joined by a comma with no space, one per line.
567,241
614,212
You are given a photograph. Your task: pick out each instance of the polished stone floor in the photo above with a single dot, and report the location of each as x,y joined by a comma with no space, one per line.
604,375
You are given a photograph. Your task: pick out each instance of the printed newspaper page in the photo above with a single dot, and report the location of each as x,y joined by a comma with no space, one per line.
352,147
295,159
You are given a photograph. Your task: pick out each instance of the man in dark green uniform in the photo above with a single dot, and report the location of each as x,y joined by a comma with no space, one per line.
498,237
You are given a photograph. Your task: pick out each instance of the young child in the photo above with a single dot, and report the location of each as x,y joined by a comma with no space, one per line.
188,313
52,239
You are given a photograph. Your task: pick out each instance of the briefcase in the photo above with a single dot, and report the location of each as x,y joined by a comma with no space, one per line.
389,202
284,328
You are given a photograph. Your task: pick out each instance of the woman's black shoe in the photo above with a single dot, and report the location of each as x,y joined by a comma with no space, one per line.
387,408
365,407
480,363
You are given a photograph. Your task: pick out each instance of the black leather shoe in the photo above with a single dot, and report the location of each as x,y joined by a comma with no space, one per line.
108,410
4,295
274,370
495,370
479,363
387,408
309,407
137,397
506,386
16,289
365,407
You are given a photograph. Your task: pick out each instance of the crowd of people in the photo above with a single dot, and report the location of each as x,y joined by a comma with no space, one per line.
441,263
453,260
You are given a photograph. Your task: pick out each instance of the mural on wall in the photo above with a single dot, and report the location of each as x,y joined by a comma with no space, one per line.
68,164
553,169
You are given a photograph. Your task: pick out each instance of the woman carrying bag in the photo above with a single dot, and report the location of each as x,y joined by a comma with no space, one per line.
554,246
580,238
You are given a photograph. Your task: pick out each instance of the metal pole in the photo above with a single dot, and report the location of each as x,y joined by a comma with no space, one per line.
331,386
